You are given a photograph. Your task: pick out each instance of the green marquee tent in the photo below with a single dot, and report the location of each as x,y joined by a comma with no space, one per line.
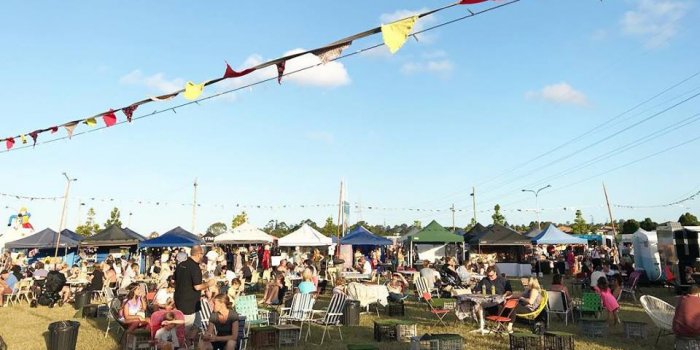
435,233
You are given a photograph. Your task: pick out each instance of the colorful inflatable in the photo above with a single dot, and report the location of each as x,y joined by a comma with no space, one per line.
21,218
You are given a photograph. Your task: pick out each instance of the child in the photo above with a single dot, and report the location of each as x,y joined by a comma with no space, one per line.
235,290
609,302
166,336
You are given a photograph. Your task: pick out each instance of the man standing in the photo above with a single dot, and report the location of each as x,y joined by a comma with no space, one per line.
189,287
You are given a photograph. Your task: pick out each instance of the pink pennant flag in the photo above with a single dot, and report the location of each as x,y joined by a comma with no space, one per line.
9,143
471,2
109,118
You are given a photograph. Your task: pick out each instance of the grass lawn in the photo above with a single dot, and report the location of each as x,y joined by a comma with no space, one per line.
23,327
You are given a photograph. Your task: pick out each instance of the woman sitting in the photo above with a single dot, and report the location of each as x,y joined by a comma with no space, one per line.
96,280
222,332
396,288
164,297
529,301
307,286
558,286
339,286
273,290
133,311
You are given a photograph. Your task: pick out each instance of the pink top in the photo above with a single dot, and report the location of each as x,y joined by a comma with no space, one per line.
609,301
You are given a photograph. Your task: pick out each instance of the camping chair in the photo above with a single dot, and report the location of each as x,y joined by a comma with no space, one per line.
13,297
330,317
558,304
499,323
440,313
630,286
533,317
590,303
423,286
660,312
113,314
300,311
158,317
247,306
24,289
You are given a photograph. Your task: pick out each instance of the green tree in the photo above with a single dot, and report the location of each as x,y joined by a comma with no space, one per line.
630,226
90,227
688,219
217,228
580,226
648,224
497,217
330,228
417,224
113,218
471,225
239,219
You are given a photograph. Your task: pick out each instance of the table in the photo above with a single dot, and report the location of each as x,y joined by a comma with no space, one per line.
368,294
355,276
472,305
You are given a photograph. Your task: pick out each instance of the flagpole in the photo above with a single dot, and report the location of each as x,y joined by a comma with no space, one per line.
63,212
340,206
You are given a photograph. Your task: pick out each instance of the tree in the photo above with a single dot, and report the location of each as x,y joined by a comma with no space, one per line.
113,218
648,224
580,226
239,219
417,224
688,219
217,228
90,227
630,226
471,225
497,217
330,228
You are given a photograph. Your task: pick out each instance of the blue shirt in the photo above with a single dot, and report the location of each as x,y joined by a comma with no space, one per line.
11,281
306,287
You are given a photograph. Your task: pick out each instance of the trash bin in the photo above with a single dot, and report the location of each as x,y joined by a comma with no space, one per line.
63,335
351,314
81,299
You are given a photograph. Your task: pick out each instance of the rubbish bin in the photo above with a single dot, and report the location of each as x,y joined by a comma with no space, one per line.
81,299
351,314
63,335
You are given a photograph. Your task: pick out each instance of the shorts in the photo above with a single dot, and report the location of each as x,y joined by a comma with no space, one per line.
192,321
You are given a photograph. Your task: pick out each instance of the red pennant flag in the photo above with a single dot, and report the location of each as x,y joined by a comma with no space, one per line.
9,142
280,71
34,135
471,2
54,129
230,73
109,118
129,112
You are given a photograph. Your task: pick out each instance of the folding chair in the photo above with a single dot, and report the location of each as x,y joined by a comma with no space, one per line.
330,317
300,311
558,304
24,289
590,303
439,313
630,287
499,323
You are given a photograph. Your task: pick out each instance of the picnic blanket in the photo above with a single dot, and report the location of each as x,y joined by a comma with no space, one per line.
368,294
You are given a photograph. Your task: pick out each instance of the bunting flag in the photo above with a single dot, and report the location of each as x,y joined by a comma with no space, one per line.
329,54
280,71
70,127
109,118
9,142
471,2
54,129
34,135
395,34
192,90
129,111
230,73
163,98
91,122
23,138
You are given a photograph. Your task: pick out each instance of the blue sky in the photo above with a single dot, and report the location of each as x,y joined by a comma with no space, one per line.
458,108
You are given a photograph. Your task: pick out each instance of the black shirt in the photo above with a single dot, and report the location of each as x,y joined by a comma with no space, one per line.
501,284
225,328
187,275
247,273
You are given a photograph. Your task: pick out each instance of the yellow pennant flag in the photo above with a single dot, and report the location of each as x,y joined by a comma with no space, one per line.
396,33
23,138
192,90
90,122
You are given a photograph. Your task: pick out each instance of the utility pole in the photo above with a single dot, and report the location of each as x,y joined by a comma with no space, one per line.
194,206
340,208
63,212
474,203
537,204
452,208
607,201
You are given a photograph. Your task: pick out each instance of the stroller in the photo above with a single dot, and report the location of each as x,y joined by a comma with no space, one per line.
155,324
49,291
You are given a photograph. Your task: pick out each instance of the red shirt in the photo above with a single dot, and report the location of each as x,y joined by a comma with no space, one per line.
686,321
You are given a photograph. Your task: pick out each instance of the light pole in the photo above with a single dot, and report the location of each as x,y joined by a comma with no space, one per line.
537,205
63,212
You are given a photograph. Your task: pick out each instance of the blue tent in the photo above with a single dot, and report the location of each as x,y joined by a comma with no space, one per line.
177,237
361,236
44,239
552,235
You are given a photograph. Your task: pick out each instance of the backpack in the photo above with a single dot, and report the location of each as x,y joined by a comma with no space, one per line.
54,282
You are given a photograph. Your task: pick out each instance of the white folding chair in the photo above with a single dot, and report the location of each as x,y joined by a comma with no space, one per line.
557,304
330,316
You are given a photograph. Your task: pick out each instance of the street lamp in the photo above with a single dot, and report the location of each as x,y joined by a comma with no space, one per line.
537,205
63,213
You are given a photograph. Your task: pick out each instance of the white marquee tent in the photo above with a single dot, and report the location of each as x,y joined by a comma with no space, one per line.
305,236
244,234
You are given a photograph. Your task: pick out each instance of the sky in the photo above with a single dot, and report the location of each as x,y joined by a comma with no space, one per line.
508,100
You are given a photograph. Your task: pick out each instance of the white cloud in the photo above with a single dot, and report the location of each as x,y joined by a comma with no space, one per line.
320,136
441,67
421,24
156,82
654,21
562,93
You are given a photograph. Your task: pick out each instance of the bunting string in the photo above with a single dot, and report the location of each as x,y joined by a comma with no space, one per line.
394,35
678,202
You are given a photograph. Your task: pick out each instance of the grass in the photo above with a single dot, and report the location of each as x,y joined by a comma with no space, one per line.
23,327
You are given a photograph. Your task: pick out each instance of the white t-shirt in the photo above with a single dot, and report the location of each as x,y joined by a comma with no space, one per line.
367,268
229,275
431,275
595,276
212,255
170,336
463,273
162,296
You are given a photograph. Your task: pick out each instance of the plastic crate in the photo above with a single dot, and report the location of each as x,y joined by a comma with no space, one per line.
525,341
558,341
593,327
263,337
362,347
635,330
287,335
683,343
385,330
437,342
405,331
396,309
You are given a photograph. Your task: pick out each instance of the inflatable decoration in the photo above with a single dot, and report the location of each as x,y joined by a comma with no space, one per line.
21,218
